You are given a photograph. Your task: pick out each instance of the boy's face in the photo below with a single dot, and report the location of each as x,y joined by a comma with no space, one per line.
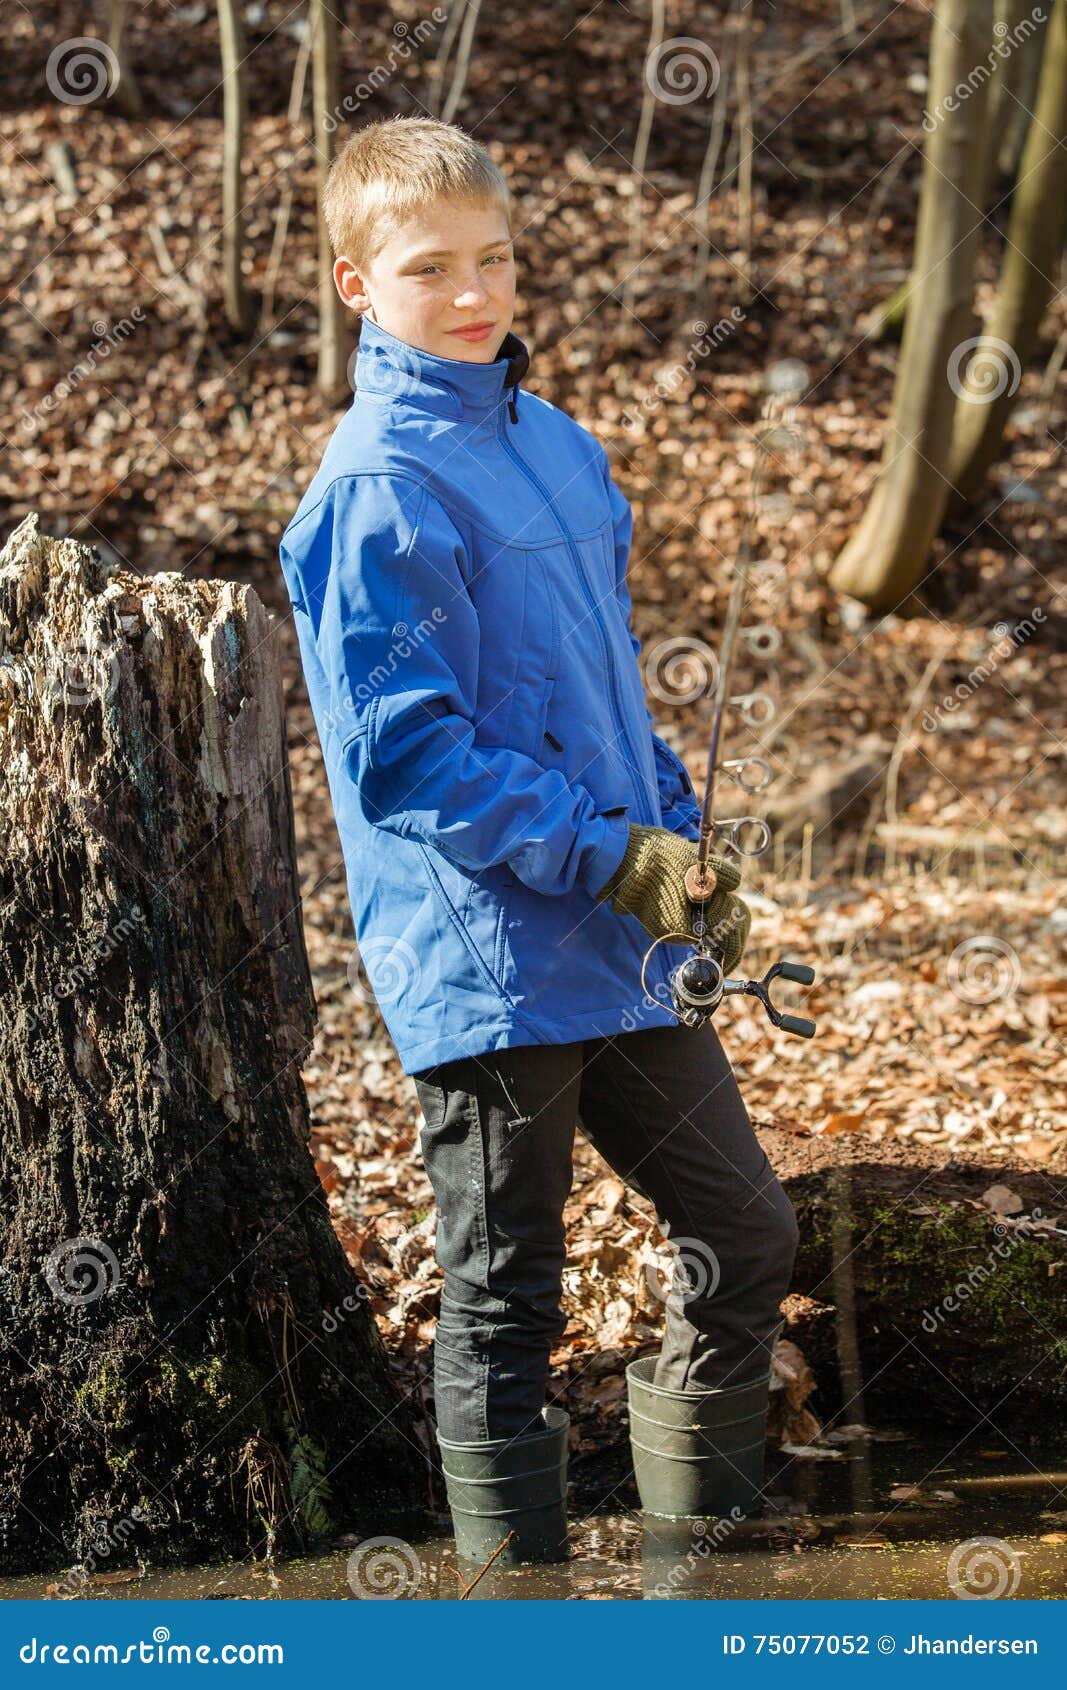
449,268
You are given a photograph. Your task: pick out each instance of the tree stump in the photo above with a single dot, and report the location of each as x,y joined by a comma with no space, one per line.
190,1365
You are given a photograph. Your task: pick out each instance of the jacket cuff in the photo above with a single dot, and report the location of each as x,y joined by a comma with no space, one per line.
606,857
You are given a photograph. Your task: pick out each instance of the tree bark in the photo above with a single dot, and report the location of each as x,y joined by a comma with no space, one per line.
1022,72
127,93
1027,280
186,1351
1003,106
886,556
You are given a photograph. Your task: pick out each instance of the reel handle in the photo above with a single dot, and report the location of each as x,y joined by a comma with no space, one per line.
798,1024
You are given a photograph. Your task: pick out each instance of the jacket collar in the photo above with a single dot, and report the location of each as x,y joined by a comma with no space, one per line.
449,386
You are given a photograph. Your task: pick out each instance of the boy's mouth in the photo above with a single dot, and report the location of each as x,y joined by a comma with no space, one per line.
473,331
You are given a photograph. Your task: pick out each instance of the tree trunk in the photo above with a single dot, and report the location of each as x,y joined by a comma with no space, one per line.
1003,105
334,337
235,111
1027,280
187,1354
1022,72
127,94
886,556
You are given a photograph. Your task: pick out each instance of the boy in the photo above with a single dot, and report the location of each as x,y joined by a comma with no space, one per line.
513,833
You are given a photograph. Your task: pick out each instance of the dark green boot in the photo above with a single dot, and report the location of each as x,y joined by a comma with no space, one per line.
697,1453
510,1484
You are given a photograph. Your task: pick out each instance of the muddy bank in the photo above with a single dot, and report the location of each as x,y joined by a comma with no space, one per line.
926,1284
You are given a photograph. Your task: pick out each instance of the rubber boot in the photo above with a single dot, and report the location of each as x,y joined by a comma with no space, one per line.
697,1453
510,1484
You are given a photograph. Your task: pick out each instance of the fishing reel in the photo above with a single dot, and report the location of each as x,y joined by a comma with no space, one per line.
698,985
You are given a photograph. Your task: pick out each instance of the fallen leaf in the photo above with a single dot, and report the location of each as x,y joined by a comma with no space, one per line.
1002,1200
839,1124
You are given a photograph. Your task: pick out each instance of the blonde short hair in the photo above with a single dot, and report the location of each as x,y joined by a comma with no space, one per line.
386,171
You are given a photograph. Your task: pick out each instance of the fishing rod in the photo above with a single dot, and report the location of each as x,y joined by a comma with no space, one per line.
699,984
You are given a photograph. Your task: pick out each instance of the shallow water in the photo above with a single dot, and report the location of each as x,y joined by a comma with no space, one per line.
1001,1530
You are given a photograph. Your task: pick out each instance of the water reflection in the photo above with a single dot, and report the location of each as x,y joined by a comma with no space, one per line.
996,1518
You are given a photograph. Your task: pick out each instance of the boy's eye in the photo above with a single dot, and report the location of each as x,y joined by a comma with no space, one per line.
493,258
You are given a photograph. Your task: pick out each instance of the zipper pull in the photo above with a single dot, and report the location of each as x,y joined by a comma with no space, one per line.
513,405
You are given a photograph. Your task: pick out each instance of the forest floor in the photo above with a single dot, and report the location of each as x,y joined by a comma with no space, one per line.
940,944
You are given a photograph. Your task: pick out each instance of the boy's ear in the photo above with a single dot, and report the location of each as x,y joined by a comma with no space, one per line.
350,284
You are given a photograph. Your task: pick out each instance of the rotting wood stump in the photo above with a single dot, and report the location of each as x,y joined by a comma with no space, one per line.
190,1366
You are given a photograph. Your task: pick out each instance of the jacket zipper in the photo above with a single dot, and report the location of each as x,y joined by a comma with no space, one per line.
535,479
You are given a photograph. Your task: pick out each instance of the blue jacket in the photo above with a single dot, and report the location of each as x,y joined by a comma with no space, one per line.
457,570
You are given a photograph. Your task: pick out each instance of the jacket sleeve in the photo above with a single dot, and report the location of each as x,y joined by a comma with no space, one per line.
678,803
398,638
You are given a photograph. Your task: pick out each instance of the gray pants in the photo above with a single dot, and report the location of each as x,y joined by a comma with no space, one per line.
663,1109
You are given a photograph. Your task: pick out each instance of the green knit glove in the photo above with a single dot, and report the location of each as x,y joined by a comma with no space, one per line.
649,883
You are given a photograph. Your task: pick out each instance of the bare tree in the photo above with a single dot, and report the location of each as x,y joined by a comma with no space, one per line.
1016,31
335,340
1027,278
234,118
127,93
886,555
